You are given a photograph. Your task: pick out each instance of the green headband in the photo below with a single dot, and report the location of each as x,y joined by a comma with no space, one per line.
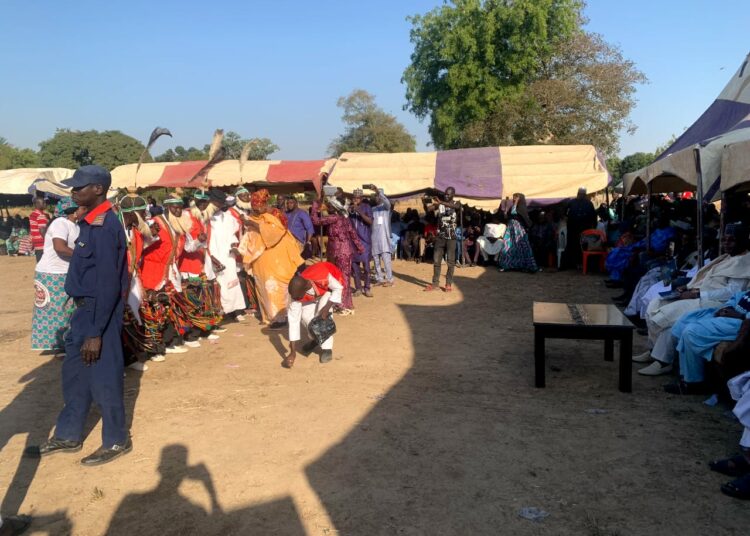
201,196
173,201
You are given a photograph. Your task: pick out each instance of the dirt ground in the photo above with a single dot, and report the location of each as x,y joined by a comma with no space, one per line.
427,422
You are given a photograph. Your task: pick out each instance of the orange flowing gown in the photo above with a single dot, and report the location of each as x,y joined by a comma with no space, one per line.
272,254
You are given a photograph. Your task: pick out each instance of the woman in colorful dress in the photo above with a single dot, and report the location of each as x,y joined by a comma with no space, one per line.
271,253
52,306
343,241
516,253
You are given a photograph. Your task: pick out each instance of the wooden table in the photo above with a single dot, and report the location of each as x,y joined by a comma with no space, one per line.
584,321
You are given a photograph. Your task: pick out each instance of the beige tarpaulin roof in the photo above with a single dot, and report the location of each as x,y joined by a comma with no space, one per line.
18,181
482,176
396,173
735,166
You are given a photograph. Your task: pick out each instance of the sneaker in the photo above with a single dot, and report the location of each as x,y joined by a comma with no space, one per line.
213,337
645,357
193,344
139,365
657,368
177,350
326,356
158,358
240,318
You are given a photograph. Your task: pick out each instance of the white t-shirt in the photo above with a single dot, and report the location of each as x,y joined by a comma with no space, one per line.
51,262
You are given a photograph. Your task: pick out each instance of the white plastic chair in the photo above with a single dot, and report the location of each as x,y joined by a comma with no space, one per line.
562,243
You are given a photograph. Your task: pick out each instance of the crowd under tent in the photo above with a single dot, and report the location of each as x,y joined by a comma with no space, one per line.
281,176
482,177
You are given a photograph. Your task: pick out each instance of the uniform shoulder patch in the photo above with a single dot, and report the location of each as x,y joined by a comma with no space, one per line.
99,220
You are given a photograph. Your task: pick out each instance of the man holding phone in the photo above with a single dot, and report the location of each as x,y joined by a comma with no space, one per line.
381,236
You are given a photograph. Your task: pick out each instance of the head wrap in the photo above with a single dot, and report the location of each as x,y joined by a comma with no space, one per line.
260,198
214,194
200,195
737,230
241,190
358,192
173,199
132,203
64,206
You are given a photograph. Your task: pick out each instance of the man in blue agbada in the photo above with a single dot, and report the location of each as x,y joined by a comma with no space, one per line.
97,281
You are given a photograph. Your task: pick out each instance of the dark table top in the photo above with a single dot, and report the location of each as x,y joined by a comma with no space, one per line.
580,314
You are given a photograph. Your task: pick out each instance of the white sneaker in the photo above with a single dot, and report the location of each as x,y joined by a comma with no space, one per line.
213,337
143,367
219,330
177,350
158,358
657,368
645,357
193,344
240,318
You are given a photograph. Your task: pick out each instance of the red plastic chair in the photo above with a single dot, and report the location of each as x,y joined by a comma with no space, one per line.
601,254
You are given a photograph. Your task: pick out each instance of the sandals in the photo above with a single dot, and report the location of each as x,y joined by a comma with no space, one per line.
738,488
429,288
735,466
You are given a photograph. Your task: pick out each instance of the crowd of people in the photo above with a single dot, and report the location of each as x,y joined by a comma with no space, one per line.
181,270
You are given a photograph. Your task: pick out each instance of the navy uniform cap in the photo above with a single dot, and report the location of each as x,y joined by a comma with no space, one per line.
86,175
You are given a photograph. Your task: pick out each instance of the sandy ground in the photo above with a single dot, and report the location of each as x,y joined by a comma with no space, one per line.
426,422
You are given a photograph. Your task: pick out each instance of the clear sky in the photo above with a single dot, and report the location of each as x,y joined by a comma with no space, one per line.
276,68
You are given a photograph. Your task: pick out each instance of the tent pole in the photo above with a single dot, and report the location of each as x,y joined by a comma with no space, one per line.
649,192
722,221
699,216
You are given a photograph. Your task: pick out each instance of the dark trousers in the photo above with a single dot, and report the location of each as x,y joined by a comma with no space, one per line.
101,382
442,246
38,254
361,270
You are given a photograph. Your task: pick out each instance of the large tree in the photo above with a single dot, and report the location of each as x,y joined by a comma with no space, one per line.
369,128
74,148
12,157
509,72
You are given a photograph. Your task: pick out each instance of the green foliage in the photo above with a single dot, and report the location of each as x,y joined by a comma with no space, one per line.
369,128
74,148
508,72
233,143
12,157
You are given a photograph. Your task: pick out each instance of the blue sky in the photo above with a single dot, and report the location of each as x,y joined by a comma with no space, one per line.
276,68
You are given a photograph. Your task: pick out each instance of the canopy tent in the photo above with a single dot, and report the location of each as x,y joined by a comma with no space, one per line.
735,167
698,152
24,180
483,176
226,173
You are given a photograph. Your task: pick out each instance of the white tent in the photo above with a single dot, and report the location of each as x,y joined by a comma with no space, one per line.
20,181
735,167
697,154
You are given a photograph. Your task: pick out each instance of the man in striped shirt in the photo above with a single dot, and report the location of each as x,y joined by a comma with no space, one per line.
38,222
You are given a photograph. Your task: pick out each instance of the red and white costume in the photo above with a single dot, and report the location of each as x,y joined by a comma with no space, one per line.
327,285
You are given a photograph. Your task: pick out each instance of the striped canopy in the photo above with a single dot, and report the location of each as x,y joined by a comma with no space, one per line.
483,176
226,173
725,122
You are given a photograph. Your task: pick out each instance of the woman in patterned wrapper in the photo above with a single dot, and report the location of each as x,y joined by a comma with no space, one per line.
516,253
52,306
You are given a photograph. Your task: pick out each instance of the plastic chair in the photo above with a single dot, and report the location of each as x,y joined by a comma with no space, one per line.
602,254
562,243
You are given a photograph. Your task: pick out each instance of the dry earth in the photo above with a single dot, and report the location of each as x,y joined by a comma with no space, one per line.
427,422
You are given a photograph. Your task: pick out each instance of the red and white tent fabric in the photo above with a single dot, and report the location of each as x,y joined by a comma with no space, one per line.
275,173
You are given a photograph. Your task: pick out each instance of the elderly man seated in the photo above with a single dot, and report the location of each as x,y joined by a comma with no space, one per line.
698,333
490,243
712,285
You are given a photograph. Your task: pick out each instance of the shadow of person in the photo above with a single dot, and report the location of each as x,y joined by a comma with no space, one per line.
411,279
164,510
426,458
32,412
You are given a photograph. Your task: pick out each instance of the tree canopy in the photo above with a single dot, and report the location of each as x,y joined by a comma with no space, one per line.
369,128
233,143
74,148
502,72
12,157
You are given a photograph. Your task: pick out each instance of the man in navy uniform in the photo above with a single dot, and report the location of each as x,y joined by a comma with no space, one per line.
93,368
